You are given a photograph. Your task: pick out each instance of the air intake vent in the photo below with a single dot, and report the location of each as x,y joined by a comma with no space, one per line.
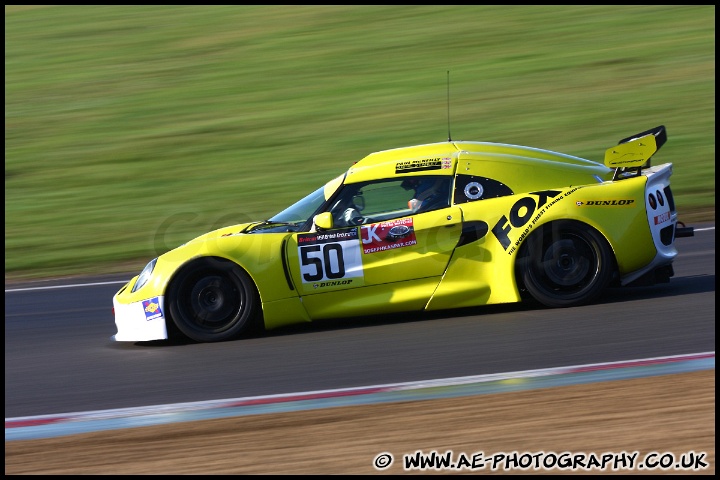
666,235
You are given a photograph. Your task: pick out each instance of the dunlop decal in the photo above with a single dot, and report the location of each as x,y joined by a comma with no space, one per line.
605,203
333,283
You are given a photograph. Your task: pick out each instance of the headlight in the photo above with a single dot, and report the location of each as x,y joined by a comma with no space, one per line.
144,275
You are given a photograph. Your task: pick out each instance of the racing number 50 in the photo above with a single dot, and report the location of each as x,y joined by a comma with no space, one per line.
312,255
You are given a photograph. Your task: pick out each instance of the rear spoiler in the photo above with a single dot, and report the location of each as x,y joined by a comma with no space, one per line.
633,153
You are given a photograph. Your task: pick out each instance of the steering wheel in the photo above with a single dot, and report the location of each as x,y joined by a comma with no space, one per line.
352,216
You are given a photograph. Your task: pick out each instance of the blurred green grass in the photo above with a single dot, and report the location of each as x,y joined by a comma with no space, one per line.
131,129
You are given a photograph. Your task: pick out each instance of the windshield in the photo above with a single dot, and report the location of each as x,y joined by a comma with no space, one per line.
301,210
297,215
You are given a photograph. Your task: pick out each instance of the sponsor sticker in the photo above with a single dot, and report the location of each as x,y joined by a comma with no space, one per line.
152,309
605,203
662,218
423,164
525,213
327,237
379,237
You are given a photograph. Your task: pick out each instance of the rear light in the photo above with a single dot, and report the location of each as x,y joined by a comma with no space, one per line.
652,201
660,198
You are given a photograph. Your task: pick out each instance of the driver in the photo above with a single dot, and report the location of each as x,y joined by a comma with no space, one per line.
429,193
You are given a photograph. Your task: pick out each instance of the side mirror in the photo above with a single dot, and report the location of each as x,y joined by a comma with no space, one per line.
323,221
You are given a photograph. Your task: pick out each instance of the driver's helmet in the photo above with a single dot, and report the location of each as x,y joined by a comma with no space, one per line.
410,183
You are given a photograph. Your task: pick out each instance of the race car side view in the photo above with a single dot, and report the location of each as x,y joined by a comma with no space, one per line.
427,227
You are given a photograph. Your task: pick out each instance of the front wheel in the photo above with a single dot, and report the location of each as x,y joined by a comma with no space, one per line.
213,300
565,264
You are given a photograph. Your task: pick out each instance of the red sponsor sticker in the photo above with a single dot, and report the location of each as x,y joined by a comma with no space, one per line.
662,218
378,237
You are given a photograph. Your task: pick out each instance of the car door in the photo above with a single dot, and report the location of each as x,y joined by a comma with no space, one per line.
392,261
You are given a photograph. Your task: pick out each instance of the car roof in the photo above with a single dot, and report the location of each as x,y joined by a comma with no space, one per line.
441,158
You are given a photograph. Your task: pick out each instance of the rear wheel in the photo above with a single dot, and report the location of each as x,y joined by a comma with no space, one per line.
565,264
213,300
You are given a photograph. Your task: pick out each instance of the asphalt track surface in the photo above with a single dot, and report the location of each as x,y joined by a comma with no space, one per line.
59,357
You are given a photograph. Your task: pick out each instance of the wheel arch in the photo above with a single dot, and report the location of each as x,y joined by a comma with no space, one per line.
557,223
221,262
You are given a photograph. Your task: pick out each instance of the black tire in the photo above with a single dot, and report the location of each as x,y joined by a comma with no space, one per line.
565,264
213,300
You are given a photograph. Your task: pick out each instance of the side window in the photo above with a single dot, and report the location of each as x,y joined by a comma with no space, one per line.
428,193
388,199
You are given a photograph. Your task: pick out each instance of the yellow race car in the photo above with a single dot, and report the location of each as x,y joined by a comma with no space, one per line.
428,227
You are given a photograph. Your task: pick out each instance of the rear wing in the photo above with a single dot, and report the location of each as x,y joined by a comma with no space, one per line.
633,153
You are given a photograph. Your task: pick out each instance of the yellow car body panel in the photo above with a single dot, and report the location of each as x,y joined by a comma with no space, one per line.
410,161
427,227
